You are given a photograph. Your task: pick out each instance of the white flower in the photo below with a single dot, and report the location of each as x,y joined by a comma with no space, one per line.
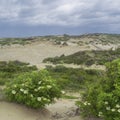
44,99
117,106
39,82
113,110
35,90
106,103
85,103
23,84
107,108
15,86
119,110
21,90
89,103
25,92
39,88
63,92
13,92
31,96
39,98
49,86
100,114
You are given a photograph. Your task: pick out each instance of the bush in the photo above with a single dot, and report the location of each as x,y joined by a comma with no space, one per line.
35,89
102,98
15,67
10,69
88,58
73,78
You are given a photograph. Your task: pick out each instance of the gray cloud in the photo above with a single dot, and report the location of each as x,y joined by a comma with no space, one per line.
94,14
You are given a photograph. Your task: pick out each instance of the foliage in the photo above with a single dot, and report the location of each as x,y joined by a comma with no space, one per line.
9,70
73,78
102,98
103,39
10,41
87,57
35,89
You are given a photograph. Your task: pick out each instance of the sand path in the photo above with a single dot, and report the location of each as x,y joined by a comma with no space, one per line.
61,110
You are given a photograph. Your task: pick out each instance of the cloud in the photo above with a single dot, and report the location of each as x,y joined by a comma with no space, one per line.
60,12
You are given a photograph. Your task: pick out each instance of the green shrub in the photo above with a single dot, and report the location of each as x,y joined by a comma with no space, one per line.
10,69
102,98
73,78
15,67
99,57
35,89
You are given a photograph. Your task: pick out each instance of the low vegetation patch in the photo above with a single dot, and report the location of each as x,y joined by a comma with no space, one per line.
11,41
9,70
73,79
102,98
86,57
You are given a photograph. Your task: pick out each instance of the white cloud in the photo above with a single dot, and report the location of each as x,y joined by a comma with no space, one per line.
60,12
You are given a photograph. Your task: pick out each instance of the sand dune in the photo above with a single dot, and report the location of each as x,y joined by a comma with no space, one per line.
35,53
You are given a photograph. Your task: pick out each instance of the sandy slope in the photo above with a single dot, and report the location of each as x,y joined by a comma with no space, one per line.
11,111
36,52
61,110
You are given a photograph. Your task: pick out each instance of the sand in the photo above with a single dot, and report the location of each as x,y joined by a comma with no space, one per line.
35,53
61,110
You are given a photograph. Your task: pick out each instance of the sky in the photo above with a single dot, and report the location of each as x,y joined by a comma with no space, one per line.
21,18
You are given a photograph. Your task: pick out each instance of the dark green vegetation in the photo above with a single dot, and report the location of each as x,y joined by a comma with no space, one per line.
10,41
9,70
96,38
102,98
67,78
73,79
87,57
33,89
